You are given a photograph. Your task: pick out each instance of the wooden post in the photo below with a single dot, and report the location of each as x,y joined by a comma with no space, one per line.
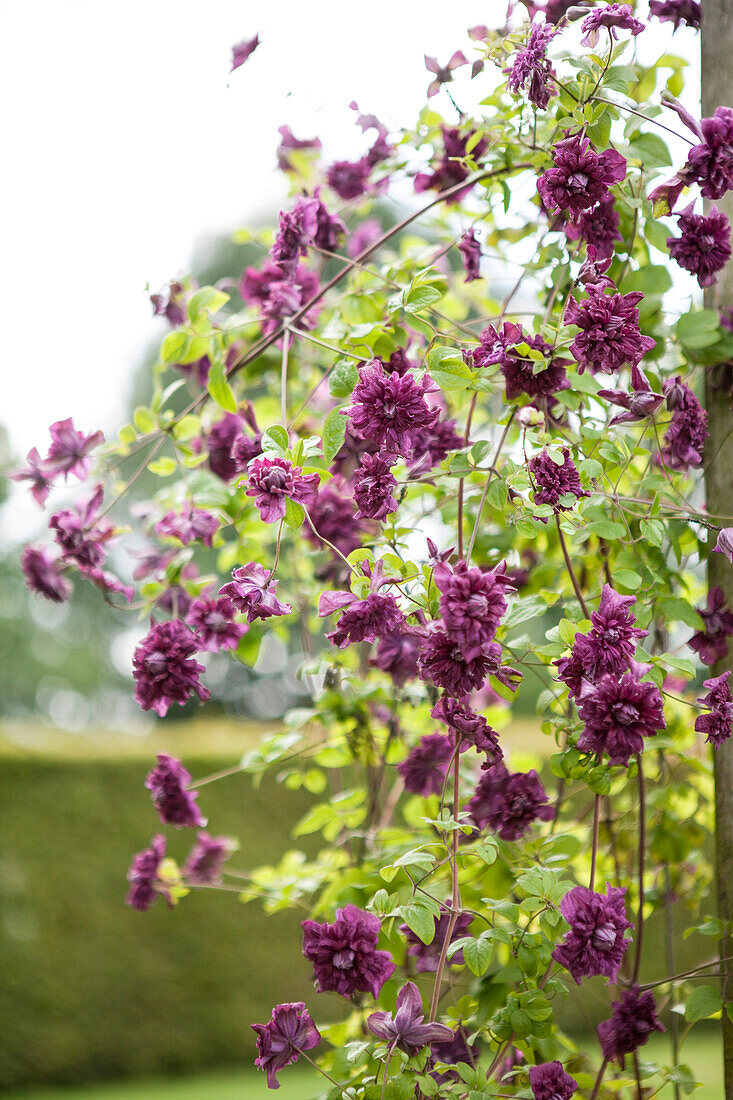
717,91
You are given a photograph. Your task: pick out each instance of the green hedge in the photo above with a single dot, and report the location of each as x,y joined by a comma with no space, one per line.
91,989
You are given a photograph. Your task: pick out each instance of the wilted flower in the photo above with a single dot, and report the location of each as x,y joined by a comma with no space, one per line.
633,1019
164,669
508,803
595,943
344,954
405,1029
425,769
581,177
168,783
718,724
283,1039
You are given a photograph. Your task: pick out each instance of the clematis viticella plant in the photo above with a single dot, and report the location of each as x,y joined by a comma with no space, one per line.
402,446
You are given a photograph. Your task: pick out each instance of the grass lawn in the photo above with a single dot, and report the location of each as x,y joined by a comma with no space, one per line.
702,1052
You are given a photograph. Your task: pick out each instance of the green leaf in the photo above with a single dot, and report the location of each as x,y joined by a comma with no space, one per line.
188,427
699,328
294,514
275,440
675,609
652,279
174,347
419,920
343,378
478,953
206,300
628,578
144,420
607,529
334,430
652,150
163,467
420,297
219,389
704,1001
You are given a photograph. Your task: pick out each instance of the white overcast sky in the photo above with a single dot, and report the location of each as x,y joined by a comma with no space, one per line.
127,141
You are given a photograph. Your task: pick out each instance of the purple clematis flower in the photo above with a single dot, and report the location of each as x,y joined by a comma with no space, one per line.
612,16
344,954
164,669
549,1081
580,177
176,805
40,475
633,1019
205,862
282,1040
212,622
639,403
44,575
272,481
143,876
69,450
703,247
509,803
406,1029
252,591
609,333
189,525
425,769
710,643
443,73
718,724
595,944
